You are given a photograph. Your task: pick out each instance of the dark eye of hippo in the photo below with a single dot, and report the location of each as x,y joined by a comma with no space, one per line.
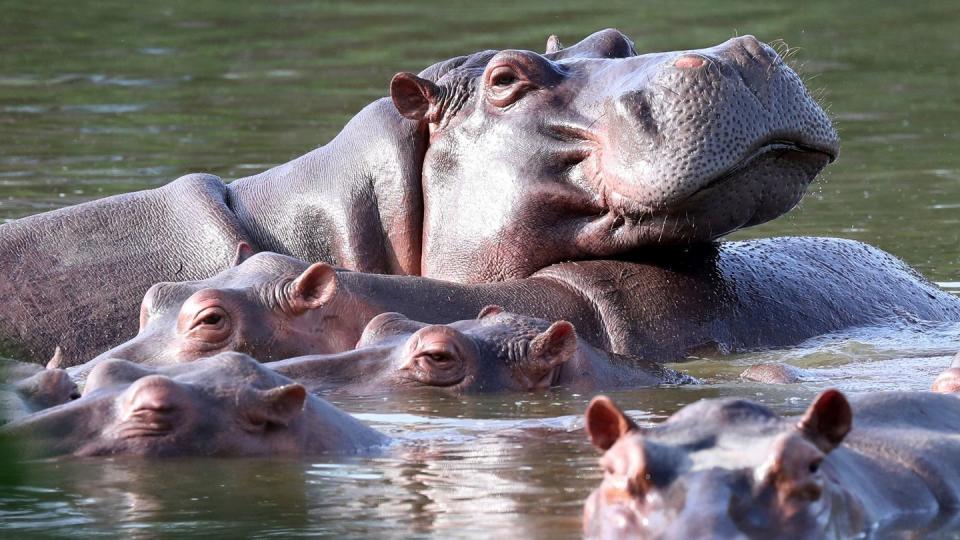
204,319
436,356
510,75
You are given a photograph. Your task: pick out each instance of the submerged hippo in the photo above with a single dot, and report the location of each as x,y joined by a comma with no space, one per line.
728,297
730,468
496,351
482,167
229,405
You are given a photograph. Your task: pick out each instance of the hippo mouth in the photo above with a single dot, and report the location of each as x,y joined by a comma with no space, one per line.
773,147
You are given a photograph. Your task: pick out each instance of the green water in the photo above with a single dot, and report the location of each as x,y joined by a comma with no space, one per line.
107,97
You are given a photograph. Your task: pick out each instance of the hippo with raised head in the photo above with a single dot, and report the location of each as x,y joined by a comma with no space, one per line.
483,167
494,352
729,297
229,405
730,468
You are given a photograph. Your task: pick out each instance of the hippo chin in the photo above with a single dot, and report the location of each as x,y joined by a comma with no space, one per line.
497,351
730,468
229,405
483,167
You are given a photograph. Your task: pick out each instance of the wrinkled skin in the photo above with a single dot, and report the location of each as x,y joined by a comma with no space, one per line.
494,352
483,167
730,297
730,468
228,405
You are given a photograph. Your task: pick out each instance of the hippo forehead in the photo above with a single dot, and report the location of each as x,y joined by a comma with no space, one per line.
723,433
608,43
260,271
503,336
226,370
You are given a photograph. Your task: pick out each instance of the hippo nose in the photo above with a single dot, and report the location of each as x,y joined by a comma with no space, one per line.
753,62
154,394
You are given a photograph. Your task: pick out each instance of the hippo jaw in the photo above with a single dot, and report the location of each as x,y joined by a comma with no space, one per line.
593,151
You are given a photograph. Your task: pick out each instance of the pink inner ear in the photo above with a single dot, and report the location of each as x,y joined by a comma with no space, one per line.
490,310
244,251
315,287
605,422
412,96
556,344
827,420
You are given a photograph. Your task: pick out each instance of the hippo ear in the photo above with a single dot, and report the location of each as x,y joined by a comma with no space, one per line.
553,45
489,311
828,420
556,344
314,288
413,96
244,251
277,406
605,422
58,359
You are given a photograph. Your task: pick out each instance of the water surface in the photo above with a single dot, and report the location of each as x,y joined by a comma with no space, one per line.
108,97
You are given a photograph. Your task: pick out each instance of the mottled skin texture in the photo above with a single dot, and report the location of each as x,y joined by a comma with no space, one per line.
729,297
496,351
730,468
484,167
228,405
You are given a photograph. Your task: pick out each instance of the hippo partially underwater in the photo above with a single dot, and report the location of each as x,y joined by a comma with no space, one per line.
730,468
732,297
485,167
228,405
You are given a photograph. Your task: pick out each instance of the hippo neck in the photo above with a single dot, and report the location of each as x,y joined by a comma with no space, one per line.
355,202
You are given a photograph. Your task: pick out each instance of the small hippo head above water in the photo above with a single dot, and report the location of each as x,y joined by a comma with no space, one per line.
228,405
497,351
594,150
725,468
267,306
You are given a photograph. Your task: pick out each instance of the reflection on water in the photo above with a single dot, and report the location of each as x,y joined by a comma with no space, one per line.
97,99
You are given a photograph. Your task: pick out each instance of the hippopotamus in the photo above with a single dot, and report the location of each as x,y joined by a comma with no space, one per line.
483,167
731,468
725,297
496,351
227,405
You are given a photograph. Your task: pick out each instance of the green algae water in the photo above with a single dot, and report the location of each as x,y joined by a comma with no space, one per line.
109,97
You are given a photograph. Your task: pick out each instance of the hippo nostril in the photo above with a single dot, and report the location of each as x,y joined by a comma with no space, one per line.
636,107
689,61
154,395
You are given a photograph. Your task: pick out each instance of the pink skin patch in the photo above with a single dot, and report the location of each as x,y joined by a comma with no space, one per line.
689,62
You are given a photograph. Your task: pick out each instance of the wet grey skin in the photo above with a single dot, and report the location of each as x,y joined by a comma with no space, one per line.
730,468
585,152
497,351
710,300
228,405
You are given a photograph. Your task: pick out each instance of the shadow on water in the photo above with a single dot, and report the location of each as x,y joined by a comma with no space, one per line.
97,99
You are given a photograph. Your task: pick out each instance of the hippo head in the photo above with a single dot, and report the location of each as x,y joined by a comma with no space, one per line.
497,351
266,306
719,469
228,405
595,150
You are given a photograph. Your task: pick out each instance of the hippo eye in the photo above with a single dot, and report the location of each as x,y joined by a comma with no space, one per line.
503,76
815,466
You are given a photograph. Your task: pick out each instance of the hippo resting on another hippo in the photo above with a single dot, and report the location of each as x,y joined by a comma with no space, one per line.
732,296
730,468
229,405
485,167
